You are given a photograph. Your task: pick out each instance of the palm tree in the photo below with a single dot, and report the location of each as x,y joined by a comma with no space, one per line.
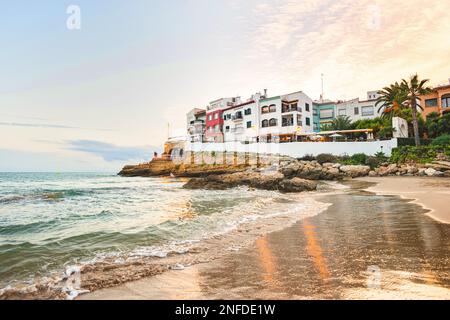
391,100
414,88
339,123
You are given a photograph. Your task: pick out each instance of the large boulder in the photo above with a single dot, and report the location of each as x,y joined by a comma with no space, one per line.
355,170
433,173
297,185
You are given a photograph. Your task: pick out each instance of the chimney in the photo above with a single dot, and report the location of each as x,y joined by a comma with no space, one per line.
265,92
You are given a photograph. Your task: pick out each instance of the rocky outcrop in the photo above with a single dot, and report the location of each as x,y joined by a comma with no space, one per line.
354,171
253,179
167,167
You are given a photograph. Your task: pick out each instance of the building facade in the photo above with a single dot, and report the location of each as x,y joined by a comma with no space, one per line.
285,118
214,118
357,109
437,101
196,119
324,113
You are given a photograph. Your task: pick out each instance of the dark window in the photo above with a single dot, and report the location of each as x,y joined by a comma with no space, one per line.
445,101
299,120
308,121
272,108
248,111
356,110
227,128
306,106
265,123
265,109
239,115
249,124
431,103
272,122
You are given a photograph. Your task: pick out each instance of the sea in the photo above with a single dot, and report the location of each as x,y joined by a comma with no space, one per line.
51,222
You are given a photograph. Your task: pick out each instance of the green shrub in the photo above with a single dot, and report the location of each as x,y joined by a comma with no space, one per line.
373,162
357,158
325,157
443,140
421,154
307,157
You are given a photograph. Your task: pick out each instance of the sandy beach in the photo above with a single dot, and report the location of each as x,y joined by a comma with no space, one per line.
432,194
364,246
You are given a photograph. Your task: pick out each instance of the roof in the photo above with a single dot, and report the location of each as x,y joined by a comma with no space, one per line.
239,105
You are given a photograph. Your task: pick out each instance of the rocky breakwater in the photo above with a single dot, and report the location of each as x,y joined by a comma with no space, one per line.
273,180
433,169
290,175
166,167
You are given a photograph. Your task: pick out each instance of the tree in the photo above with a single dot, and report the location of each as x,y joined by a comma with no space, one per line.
414,88
391,100
339,123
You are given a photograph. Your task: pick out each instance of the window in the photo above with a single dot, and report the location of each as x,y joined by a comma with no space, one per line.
265,109
367,111
227,128
294,106
299,120
315,113
307,121
216,128
326,114
356,110
216,116
248,111
431,103
249,124
272,108
342,112
287,121
239,115
307,107
272,122
210,117
445,101
265,123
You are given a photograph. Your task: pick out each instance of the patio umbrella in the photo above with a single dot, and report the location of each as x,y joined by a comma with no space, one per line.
336,135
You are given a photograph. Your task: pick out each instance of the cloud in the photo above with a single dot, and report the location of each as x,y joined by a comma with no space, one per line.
44,125
36,125
358,45
110,152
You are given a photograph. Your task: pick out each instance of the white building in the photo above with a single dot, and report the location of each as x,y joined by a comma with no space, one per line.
196,119
240,122
283,118
357,109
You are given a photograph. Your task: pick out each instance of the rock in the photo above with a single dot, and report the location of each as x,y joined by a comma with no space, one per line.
411,169
372,173
290,169
433,173
355,170
421,172
297,185
259,180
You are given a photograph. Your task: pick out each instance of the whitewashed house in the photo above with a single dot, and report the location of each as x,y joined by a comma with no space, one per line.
285,118
357,109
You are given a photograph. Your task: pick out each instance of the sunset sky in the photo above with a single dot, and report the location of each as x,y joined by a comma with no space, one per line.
97,98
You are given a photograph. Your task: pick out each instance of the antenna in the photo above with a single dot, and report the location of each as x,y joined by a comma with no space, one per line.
321,95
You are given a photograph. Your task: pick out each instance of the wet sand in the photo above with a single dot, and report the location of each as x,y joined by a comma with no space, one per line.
364,246
432,194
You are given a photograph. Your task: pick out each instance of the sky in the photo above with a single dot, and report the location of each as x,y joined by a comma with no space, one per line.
99,97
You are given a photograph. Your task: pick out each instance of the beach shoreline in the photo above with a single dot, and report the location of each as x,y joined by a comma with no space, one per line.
430,193
222,274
